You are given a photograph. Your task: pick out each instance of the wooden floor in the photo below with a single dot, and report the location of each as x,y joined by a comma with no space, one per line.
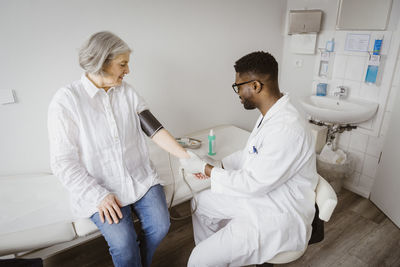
358,234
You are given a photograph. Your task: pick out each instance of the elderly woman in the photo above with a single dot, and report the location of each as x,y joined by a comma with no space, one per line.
98,151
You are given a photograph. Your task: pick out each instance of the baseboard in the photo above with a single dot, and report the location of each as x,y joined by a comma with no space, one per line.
356,189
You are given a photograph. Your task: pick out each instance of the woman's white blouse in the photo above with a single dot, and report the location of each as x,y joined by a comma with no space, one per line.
97,146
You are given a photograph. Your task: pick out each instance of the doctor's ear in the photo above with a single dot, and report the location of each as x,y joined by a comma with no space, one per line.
257,87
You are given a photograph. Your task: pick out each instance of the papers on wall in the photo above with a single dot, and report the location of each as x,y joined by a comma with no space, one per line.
357,42
303,43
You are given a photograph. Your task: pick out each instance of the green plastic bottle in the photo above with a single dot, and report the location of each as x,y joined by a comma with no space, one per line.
211,143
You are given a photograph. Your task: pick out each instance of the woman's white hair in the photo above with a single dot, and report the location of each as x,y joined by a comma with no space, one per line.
99,50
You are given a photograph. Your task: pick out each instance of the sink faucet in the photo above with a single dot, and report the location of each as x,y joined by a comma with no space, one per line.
340,92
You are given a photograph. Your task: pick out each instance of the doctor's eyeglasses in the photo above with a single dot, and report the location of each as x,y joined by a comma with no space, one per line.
235,86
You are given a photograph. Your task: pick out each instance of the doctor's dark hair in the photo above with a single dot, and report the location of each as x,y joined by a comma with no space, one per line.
258,63
99,50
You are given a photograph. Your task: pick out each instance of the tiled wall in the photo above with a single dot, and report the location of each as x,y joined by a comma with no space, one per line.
364,145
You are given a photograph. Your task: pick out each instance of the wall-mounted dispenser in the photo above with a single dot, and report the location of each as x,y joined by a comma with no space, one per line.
326,59
374,62
322,89
324,66
304,21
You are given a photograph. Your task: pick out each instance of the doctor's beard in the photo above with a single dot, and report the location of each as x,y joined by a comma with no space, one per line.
248,104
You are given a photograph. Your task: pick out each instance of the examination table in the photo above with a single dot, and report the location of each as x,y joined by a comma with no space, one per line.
34,208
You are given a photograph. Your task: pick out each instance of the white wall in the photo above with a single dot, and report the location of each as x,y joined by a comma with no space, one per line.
298,81
364,145
182,63
301,79
365,148
385,191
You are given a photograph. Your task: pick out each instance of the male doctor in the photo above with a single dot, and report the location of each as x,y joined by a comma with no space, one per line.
261,201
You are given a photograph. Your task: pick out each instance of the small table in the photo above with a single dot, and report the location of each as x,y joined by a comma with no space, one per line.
229,139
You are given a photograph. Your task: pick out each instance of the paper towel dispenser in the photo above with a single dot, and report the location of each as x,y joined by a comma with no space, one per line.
304,21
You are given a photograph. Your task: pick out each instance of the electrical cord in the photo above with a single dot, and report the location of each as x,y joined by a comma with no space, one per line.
173,193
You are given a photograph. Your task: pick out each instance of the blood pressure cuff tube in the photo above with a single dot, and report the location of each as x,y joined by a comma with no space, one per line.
150,125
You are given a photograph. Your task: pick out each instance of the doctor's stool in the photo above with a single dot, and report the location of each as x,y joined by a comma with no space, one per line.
326,201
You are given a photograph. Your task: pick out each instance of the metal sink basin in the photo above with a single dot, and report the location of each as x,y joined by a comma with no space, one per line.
335,110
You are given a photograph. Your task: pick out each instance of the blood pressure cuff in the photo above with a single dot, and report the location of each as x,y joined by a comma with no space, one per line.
150,125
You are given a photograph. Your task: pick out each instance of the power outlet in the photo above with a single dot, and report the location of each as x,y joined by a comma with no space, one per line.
298,63
7,97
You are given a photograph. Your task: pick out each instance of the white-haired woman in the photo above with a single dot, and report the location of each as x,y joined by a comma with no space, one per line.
98,152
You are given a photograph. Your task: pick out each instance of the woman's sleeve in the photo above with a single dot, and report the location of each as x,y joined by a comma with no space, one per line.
64,155
139,103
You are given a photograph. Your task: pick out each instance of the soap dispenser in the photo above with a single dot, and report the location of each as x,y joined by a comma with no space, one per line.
211,143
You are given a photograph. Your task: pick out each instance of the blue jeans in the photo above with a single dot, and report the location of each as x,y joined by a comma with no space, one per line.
124,246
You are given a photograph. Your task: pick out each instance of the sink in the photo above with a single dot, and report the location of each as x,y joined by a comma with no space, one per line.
335,110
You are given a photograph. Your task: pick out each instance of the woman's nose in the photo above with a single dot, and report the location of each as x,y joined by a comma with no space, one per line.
127,69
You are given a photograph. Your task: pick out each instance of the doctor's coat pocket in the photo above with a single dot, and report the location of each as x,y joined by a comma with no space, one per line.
254,147
252,153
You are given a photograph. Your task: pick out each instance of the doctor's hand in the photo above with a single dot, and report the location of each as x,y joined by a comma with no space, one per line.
109,208
194,164
201,176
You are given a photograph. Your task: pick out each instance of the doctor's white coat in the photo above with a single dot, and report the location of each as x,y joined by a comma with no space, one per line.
262,202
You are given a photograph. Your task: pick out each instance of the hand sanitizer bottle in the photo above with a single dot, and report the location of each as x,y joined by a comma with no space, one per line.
211,143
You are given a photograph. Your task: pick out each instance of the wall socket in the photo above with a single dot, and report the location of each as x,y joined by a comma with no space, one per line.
7,96
298,63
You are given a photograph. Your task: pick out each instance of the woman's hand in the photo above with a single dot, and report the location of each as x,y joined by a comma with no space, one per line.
110,208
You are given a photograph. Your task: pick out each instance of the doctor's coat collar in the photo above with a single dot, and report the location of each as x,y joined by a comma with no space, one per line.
275,108
272,111
90,88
